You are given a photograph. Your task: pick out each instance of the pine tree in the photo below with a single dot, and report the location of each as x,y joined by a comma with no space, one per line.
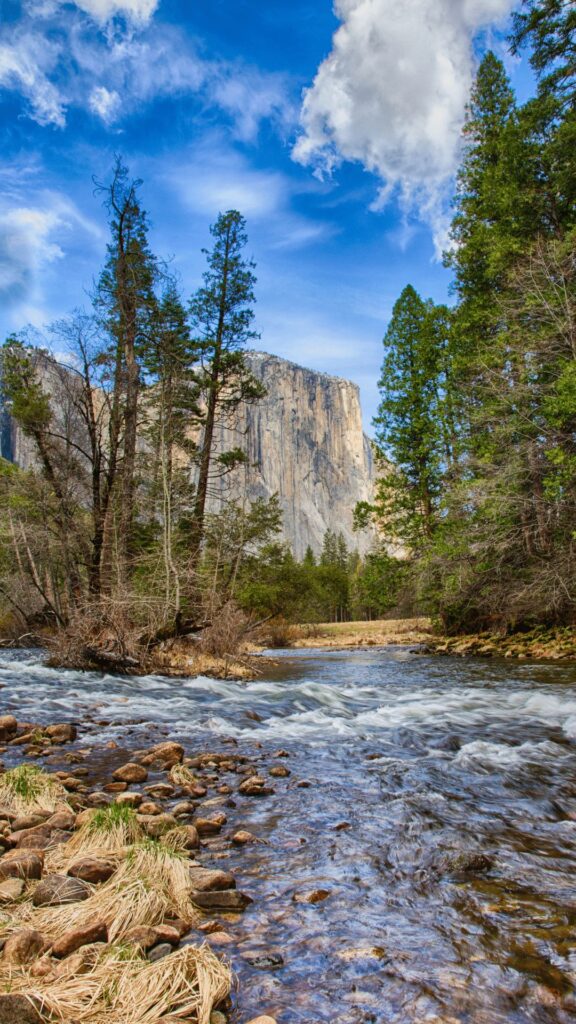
221,316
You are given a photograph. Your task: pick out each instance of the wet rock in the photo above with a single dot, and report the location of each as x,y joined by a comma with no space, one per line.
196,791
314,896
179,925
342,826
92,869
242,838
209,880
55,890
73,785
463,864
115,787
281,753
210,826
77,937
27,864
142,936
230,900
63,733
23,946
19,1009
11,889
130,799
224,789
131,773
303,784
255,785
168,754
161,791
262,1020
220,938
280,771
8,727
266,962
184,807
159,952
362,953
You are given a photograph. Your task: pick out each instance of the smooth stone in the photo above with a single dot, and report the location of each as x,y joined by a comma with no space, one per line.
280,771
131,773
8,726
92,869
262,1020
56,890
315,896
230,899
242,838
210,826
11,889
211,880
64,733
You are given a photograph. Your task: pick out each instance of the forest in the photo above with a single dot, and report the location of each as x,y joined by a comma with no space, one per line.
111,535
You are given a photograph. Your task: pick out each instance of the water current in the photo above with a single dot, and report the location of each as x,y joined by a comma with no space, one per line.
439,819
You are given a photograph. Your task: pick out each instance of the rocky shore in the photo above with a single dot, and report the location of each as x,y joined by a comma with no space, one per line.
111,908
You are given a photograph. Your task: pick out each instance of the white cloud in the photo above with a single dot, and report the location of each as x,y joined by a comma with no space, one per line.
103,10
392,93
26,62
105,103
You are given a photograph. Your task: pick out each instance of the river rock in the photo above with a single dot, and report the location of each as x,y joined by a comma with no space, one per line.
168,933
92,869
160,791
63,733
148,807
130,799
167,753
255,785
99,799
11,889
210,826
39,838
131,773
19,1009
62,819
23,946
314,896
220,938
8,727
115,787
242,838
55,890
280,771
189,836
231,900
183,808
77,937
266,961
156,825
24,821
159,952
262,1020
208,879
27,864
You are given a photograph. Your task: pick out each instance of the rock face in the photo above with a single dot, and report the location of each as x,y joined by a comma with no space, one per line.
304,442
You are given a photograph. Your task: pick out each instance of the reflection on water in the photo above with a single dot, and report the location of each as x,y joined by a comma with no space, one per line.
440,815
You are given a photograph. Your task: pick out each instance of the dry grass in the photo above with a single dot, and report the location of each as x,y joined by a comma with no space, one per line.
120,987
108,832
180,775
358,634
27,788
151,883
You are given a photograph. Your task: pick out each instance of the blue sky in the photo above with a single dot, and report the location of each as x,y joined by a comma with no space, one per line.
335,131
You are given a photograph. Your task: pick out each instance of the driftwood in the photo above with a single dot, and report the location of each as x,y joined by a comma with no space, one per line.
109,659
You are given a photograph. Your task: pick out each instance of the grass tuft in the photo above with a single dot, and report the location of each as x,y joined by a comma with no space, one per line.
28,788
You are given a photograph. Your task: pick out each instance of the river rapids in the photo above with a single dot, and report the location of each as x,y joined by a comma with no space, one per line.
439,821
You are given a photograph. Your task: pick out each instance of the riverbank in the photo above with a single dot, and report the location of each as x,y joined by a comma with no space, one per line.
540,644
112,909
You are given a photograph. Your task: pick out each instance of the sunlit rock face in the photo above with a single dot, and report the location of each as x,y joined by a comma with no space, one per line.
305,442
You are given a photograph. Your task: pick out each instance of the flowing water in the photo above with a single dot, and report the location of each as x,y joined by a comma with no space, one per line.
440,819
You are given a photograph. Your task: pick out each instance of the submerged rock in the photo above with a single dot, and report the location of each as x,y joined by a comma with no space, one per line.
230,899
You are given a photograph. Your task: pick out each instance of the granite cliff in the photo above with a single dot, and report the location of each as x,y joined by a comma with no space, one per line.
305,442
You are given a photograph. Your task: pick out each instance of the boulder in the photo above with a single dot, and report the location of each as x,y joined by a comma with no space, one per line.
230,900
77,937
209,880
92,869
23,946
55,890
131,773
27,864
63,733
19,1009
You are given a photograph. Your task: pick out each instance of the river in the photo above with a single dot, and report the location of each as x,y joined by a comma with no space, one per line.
439,820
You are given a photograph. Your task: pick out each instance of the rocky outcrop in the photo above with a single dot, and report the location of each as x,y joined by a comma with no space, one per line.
305,443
